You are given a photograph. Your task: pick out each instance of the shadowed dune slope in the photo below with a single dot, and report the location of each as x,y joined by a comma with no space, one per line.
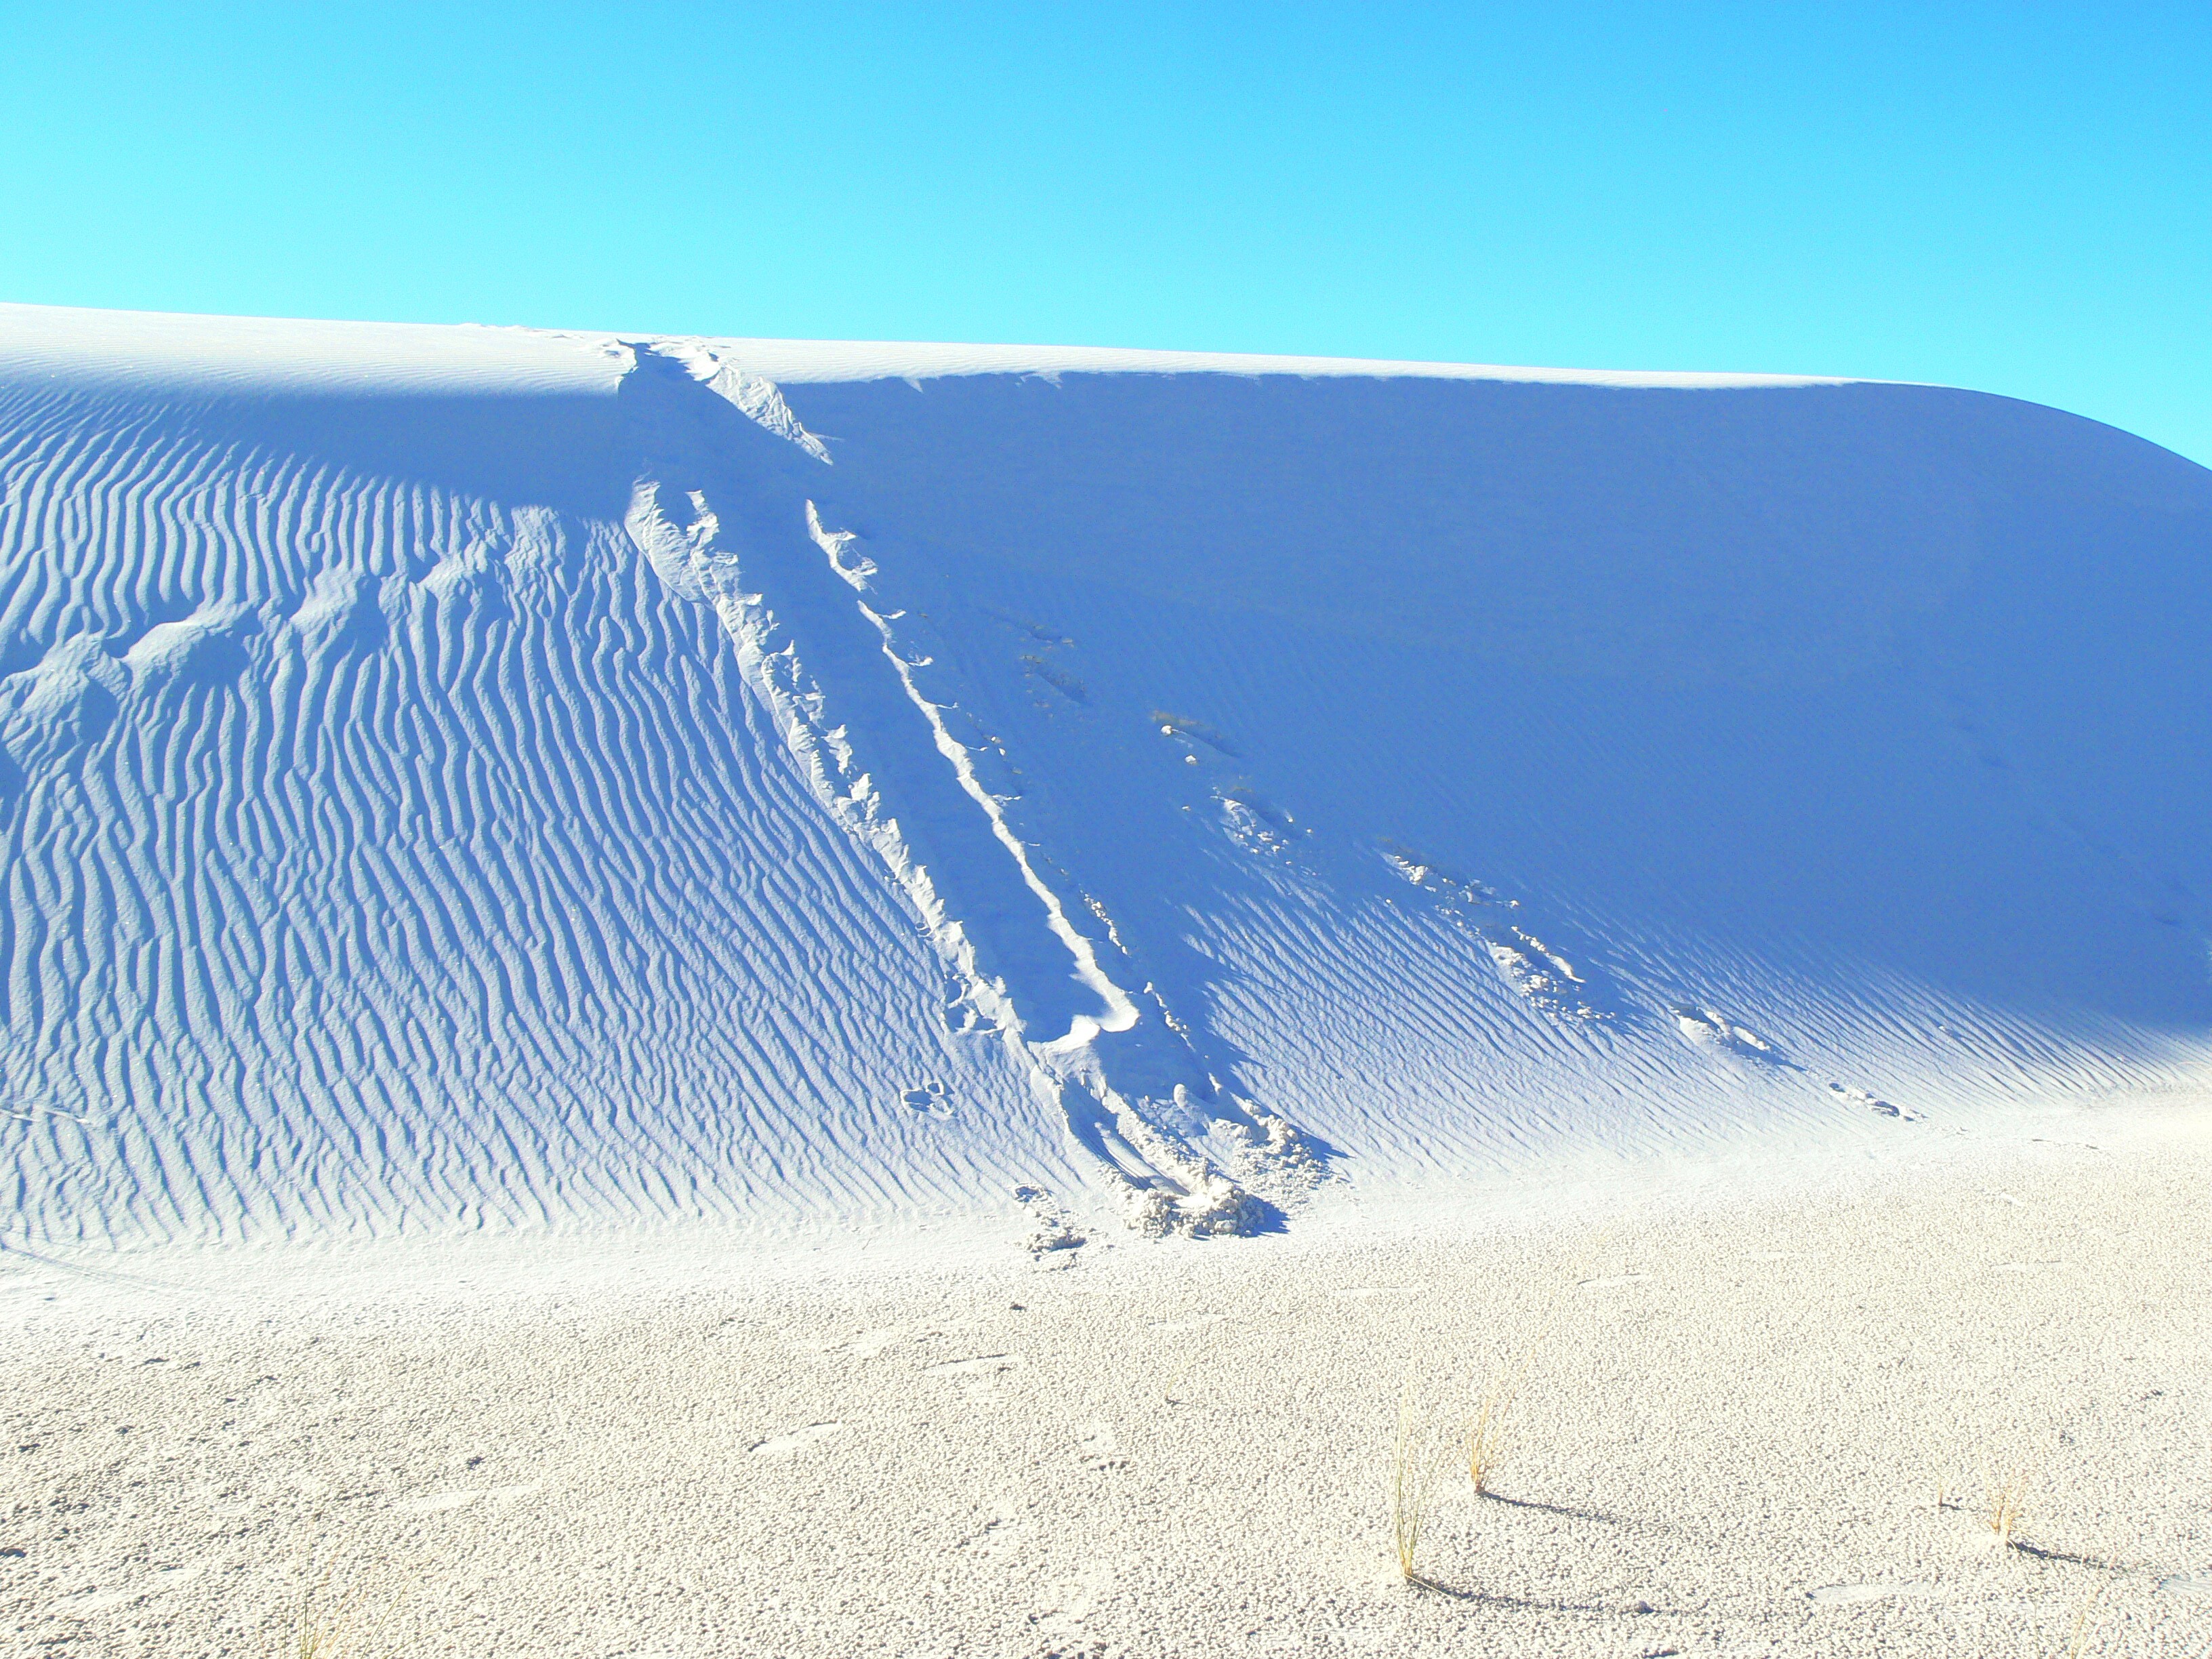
469,778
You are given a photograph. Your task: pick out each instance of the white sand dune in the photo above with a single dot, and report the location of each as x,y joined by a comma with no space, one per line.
643,974
465,779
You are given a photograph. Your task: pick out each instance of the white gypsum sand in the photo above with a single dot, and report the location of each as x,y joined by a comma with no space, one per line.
466,779
1731,1444
671,995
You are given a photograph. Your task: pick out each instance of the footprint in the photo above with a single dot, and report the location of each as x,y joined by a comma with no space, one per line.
930,1095
1536,973
1607,1283
1541,976
1053,1234
2187,1583
1009,1527
1712,1029
979,1377
783,1445
1099,1448
1064,1610
1860,1098
1182,729
1252,821
1039,667
1426,874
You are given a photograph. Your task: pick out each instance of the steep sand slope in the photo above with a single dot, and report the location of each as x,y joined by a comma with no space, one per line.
471,780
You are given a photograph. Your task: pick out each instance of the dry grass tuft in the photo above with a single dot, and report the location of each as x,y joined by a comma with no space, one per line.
335,1623
1414,1462
2085,1623
2005,1500
327,1629
1939,1467
1486,1430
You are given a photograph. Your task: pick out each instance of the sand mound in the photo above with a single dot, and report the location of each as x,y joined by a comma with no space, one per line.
460,778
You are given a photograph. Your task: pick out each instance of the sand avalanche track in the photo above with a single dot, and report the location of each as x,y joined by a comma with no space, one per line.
457,778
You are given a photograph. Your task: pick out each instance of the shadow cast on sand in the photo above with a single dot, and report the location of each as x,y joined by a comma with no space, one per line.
1524,1603
2098,1564
1568,1512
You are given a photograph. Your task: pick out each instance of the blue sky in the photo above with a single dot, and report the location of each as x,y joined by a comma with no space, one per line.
2013,197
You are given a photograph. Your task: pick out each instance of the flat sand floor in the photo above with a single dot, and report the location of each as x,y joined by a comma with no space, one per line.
1767,1420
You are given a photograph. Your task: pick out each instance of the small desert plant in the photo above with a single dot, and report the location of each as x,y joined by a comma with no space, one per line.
327,1628
1413,1465
332,1625
2004,1500
2084,1623
1941,1465
1486,1430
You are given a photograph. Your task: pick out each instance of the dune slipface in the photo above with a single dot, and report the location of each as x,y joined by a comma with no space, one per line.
462,778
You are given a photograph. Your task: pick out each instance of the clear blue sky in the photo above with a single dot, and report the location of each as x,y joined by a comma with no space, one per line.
2014,198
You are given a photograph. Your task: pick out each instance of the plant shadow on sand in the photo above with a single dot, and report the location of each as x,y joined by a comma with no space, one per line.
1425,1583
2095,1564
1627,1522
